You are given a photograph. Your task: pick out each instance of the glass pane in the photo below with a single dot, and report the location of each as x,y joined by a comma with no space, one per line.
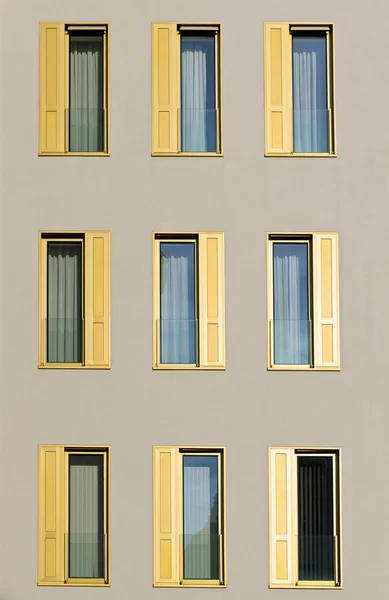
178,303
310,106
86,114
64,302
201,517
291,304
316,541
198,98
86,515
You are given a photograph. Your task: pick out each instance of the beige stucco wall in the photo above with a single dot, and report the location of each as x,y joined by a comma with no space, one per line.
243,194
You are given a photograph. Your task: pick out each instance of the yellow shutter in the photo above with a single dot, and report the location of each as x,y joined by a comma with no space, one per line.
164,88
52,88
278,89
211,299
166,511
97,299
280,501
326,299
51,514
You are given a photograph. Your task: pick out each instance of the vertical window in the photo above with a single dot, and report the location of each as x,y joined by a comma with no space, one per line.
299,82
186,89
74,88
303,301
86,90
305,517
192,543
73,515
188,300
74,289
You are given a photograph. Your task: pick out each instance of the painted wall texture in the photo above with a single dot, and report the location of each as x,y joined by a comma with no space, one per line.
246,408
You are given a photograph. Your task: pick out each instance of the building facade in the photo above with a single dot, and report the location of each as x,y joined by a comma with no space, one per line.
144,186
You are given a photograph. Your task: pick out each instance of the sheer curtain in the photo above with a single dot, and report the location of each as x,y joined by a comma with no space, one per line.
64,309
316,518
178,323
310,110
291,311
86,116
200,518
198,94
86,534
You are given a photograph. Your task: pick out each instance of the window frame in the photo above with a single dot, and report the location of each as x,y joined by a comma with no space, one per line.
287,84
201,265
175,57
293,452
62,502
314,275
64,84
44,237
178,453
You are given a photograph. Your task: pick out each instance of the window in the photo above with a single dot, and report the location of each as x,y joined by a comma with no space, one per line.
74,522
74,90
303,301
189,516
299,89
305,517
74,299
188,303
186,89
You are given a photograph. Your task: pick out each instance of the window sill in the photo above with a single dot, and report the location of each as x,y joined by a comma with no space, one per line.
90,154
190,585
301,368
187,368
301,155
290,586
72,584
73,366
190,154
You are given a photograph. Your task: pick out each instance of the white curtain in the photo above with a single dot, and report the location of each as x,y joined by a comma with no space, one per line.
291,329
86,115
310,111
197,521
64,324
85,521
193,97
177,322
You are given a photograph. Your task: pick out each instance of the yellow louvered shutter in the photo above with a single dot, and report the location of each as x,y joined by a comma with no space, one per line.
164,88
51,514
52,88
280,498
211,295
97,299
278,89
326,299
165,508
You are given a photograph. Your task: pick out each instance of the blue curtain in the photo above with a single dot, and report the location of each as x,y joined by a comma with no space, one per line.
291,307
198,114
177,303
310,109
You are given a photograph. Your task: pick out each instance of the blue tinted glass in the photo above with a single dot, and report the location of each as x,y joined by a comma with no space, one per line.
201,517
178,303
291,303
310,104
198,100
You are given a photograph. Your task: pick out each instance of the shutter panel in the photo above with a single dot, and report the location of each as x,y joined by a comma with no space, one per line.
278,89
52,83
326,300
51,514
280,499
97,299
212,300
164,88
166,542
